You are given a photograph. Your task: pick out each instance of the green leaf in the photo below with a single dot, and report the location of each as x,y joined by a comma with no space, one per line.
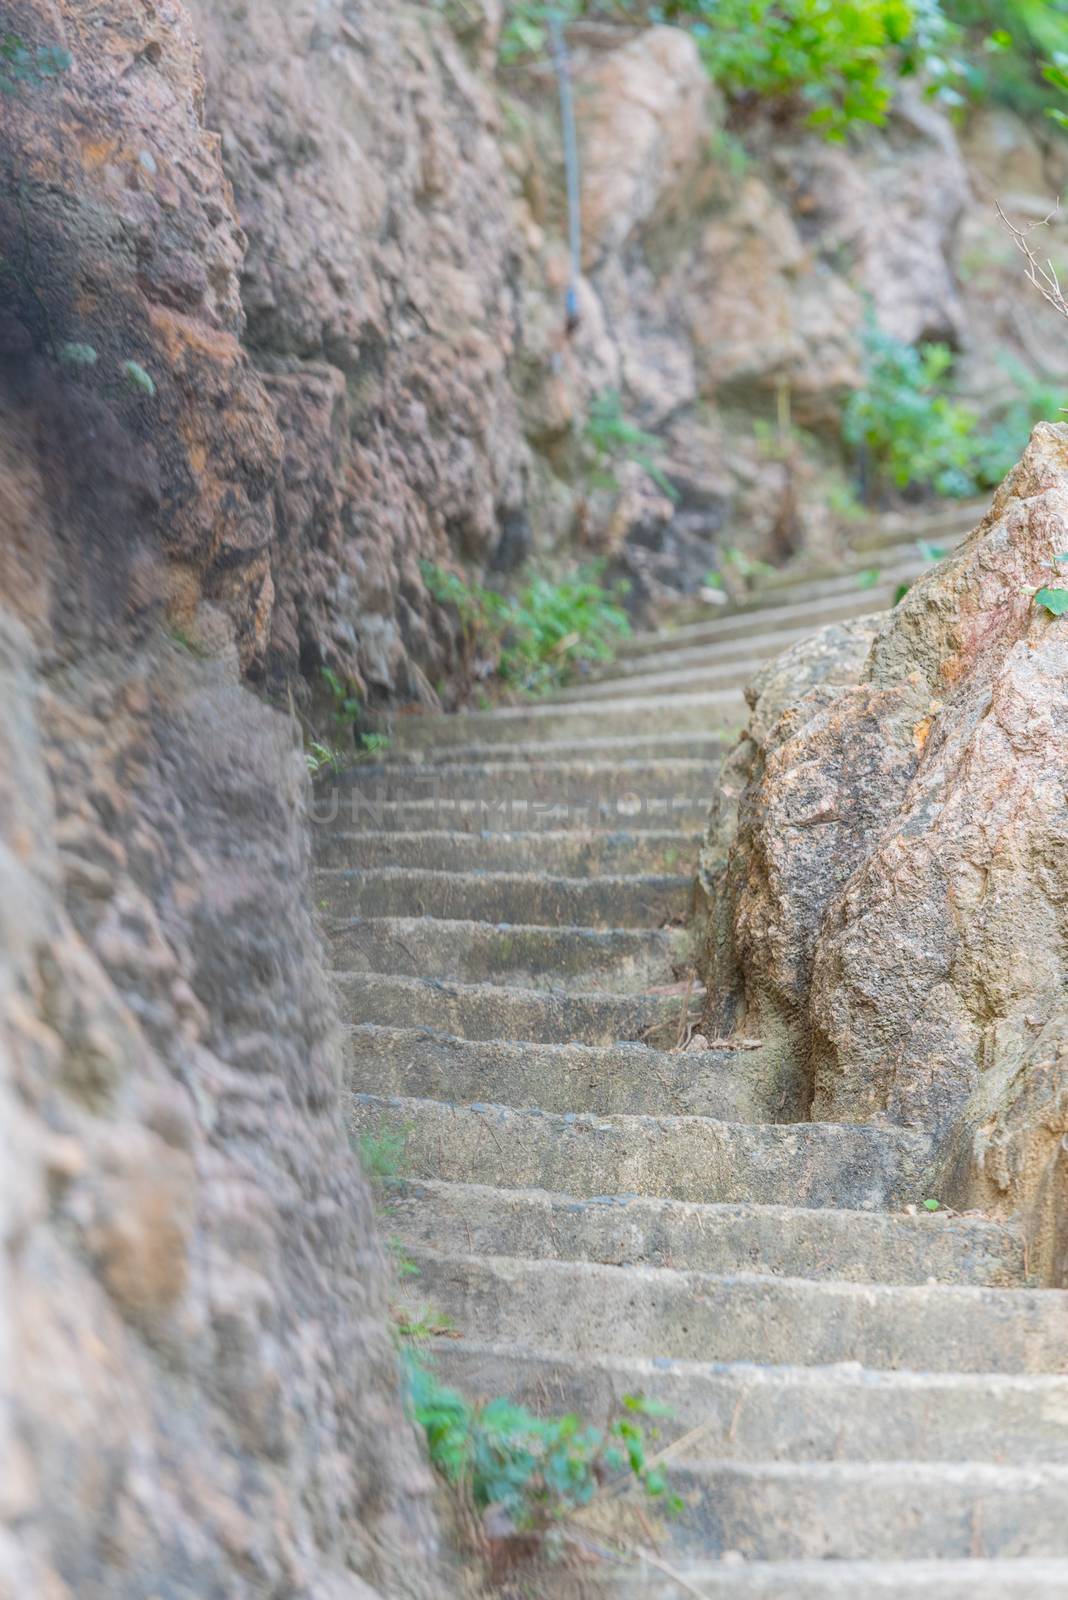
78,355
138,379
931,1205
1054,600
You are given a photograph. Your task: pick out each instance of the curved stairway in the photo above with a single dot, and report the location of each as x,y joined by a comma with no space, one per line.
868,1399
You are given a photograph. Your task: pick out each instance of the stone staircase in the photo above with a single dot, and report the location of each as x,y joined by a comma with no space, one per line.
868,1400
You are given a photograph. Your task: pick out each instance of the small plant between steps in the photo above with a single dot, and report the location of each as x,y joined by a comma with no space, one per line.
332,751
523,1479
534,640
519,1478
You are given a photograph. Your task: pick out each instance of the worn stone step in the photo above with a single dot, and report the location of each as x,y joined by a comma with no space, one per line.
572,785
822,1580
621,960
861,1168
579,853
748,652
613,1080
639,900
805,616
881,1511
690,745
665,681
750,1413
894,551
786,1241
701,713
588,1309
348,808
945,524
798,588
488,1011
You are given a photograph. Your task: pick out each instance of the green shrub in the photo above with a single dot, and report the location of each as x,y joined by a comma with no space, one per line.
536,1470
838,57
1011,49
610,437
918,434
535,638
915,433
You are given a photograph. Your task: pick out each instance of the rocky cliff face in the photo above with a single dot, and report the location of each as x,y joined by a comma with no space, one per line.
200,1394
890,872
343,266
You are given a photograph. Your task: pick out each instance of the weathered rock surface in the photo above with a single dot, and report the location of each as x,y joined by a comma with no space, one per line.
113,201
359,355
894,897
199,1390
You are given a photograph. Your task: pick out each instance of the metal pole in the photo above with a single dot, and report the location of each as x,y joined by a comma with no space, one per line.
562,63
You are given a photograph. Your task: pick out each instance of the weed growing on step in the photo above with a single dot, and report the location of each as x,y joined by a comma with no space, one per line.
535,639
402,1261
322,758
382,1153
419,1327
332,750
533,1475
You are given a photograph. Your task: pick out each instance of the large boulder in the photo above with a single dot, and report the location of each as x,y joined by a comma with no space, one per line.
895,899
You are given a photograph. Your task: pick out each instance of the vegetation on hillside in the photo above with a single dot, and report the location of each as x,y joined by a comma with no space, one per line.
909,429
538,637
837,60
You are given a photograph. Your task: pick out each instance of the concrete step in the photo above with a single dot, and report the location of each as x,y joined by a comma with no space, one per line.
349,808
640,900
786,1241
588,1309
620,960
859,1168
573,785
487,1011
666,681
881,1511
804,617
579,853
946,524
743,1412
691,745
893,552
900,564
747,651
699,713
613,1080
822,1580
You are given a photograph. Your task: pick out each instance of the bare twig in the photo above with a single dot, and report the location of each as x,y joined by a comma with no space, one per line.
1043,275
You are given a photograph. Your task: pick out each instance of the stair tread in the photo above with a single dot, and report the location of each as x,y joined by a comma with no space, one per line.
491,1010
853,1380
684,1158
646,1310
784,1240
563,1076
762,1413
977,1579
